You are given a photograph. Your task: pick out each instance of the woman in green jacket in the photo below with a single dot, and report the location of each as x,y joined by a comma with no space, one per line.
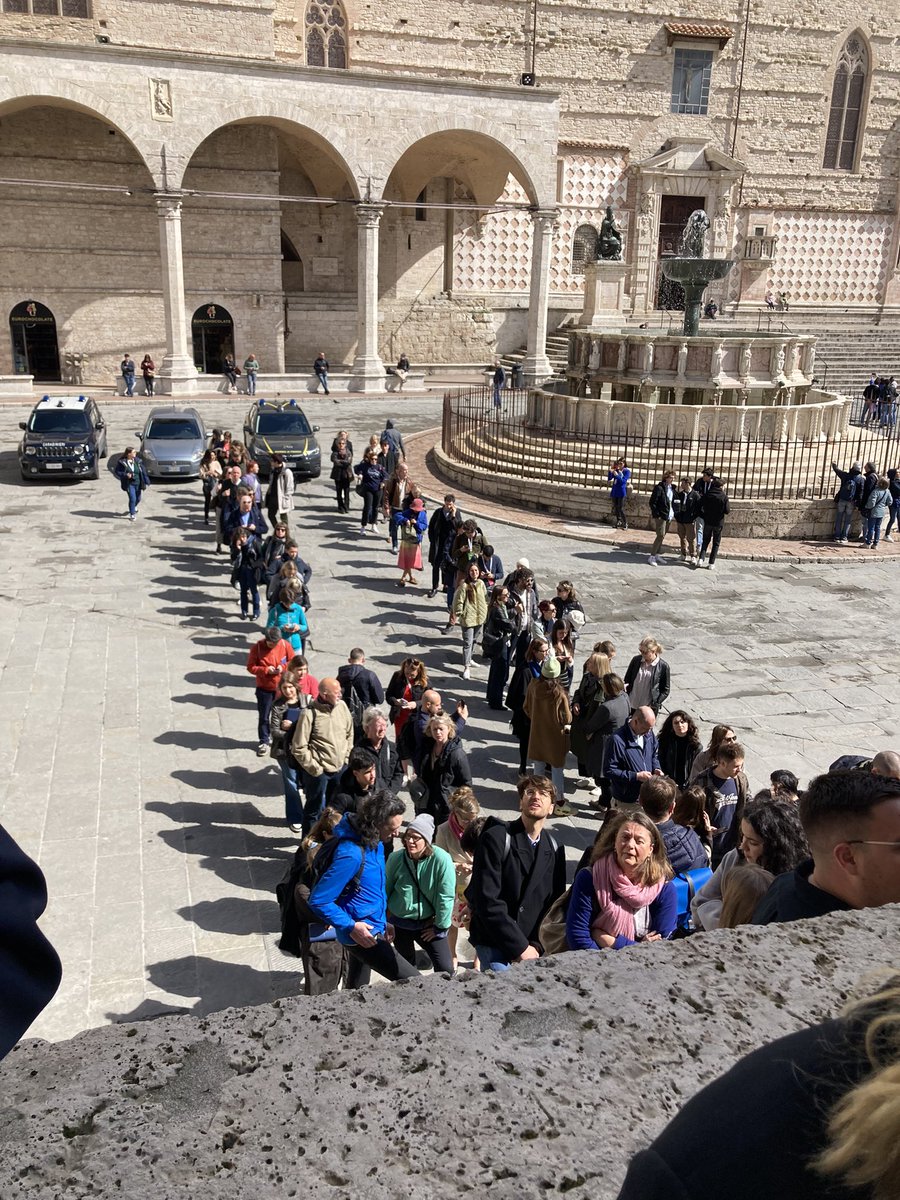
469,611
420,881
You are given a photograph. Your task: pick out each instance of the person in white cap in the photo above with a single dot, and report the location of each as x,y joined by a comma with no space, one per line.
421,886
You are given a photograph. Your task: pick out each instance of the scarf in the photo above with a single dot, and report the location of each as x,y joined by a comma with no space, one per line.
455,828
618,898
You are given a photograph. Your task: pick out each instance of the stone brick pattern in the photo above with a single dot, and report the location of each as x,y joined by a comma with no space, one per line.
589,183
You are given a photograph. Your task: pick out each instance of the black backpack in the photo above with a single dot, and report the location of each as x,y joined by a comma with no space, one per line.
353,701
293,891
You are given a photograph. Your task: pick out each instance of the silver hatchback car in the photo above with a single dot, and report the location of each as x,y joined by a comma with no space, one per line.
173,443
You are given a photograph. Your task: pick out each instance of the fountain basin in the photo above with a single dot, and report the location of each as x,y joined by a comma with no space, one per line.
696,270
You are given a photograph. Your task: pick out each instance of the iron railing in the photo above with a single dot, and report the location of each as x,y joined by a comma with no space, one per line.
505,442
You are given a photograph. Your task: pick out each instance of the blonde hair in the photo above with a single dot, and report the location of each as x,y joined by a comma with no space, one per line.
742,889
649,643
463,800
597,664
864,1149
441,719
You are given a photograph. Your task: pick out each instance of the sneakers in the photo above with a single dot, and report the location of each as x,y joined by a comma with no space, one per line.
584,782
131,516
888,537
562,809
467,674
432,593
660,561
653,560
245,616
711,567
262,750
295,828
693,560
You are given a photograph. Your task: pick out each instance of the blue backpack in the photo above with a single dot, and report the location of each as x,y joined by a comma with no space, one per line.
687,884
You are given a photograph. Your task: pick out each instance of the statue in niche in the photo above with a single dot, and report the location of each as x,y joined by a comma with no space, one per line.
609,248
745,362
594,360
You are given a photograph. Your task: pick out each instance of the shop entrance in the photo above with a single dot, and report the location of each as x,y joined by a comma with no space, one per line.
212,330
35,348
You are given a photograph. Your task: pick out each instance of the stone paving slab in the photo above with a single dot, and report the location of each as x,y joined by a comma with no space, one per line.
128,762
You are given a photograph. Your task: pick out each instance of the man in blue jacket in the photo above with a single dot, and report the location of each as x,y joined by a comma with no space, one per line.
685,850
631,756
350,893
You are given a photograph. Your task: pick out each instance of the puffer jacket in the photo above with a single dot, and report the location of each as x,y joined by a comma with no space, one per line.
367,902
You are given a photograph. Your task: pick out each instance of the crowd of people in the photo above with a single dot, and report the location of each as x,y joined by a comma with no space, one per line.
869,495
880,402
348,744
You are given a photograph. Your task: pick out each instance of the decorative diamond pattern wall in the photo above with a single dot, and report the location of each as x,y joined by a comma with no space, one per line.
825,258
494,254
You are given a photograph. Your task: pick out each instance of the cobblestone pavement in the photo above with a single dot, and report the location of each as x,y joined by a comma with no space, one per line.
128,757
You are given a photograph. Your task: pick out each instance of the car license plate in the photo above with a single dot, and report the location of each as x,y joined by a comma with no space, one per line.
53,466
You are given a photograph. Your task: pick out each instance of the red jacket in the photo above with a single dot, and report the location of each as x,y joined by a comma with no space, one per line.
262,656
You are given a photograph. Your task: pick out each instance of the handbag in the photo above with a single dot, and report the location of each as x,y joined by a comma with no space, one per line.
552,931
360,488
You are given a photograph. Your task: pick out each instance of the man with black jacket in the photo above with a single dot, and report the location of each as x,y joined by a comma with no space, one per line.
373,739
846,500
442,530
701,487
713,510
518,871
686,505
364,682
852,823
662,512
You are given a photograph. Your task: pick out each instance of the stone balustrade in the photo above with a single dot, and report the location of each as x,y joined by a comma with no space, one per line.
822,416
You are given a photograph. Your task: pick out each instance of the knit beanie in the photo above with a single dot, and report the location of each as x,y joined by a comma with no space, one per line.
550,668
423,825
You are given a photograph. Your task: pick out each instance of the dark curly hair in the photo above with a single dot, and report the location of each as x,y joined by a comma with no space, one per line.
667,734
777,823
373,814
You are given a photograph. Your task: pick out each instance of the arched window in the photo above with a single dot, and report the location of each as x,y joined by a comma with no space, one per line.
584,248
326,34
845,117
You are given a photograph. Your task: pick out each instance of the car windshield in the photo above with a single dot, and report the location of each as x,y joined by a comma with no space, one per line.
178,429
282,424
60,420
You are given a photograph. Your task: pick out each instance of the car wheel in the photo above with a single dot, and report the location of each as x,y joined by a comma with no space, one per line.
95,474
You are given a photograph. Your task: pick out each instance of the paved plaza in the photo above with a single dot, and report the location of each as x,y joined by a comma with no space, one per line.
129,722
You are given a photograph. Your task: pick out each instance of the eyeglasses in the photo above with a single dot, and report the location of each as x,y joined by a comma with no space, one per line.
868,842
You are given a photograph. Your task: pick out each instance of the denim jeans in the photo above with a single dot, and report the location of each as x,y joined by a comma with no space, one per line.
491,959
698,526
293,809
843,519
134,498
395,529
249,592
322,377
317,789
469,637
893,517
264,702
873,530
129,384
497,400
251,383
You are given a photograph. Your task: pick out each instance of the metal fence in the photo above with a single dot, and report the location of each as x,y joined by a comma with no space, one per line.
503,441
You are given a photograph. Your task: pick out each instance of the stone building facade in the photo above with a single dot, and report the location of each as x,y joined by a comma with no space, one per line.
186,179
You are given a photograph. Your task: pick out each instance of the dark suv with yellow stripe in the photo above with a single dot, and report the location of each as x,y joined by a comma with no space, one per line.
281,427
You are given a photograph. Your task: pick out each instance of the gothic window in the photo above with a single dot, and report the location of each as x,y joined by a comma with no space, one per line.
47,8
326,34
844,118
690,81
584,248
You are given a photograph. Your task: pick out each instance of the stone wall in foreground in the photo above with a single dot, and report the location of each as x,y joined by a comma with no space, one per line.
539,1082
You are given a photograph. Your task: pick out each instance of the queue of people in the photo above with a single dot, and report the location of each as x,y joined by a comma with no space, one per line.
666,804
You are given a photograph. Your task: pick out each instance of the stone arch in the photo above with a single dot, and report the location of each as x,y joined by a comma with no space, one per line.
467,152
60,94
303,125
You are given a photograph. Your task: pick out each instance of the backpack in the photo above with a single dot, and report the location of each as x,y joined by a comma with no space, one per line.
293,890
353,701
687,884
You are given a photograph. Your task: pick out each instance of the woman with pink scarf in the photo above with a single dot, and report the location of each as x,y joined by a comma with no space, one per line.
626,894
